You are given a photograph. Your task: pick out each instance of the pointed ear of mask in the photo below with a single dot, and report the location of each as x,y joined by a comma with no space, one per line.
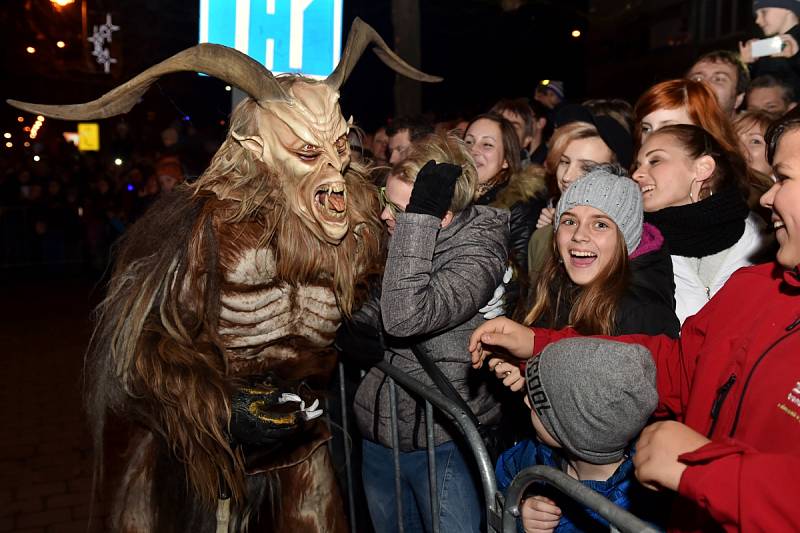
252,143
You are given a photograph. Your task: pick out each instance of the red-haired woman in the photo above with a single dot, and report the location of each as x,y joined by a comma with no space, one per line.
684,101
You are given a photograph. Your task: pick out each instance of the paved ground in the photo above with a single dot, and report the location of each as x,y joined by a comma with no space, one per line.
45,452
45,449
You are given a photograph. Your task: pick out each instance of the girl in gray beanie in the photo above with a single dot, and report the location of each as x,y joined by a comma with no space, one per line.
590,280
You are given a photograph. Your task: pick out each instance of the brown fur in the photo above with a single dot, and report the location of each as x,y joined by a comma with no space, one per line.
156,357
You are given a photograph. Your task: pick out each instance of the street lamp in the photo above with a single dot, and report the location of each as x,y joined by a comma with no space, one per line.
61,44
61,3
31,50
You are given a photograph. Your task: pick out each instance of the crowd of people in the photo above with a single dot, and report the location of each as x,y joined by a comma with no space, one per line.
650,312
62,209
644,256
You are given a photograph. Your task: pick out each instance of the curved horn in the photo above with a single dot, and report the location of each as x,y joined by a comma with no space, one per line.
219,61
361,35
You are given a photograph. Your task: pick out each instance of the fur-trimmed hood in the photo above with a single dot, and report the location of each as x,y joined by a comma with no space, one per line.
521,187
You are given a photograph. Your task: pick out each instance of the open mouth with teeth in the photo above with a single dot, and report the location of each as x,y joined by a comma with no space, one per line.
582,259
647,188
777,224
330,199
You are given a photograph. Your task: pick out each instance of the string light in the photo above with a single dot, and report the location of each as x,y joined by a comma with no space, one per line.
36,158
61,44
7,135
118,162
20,119
31,50
36,125
576,33
9,144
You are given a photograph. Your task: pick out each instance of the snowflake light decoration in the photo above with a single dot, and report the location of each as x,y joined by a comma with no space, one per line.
101,35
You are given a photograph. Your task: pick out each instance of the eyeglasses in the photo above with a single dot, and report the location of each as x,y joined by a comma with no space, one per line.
385,202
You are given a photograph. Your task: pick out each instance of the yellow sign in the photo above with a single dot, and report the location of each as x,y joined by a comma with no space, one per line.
88,136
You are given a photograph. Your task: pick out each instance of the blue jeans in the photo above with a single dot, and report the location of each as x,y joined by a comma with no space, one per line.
460,503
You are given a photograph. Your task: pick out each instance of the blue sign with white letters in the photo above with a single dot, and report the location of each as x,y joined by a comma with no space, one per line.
297,36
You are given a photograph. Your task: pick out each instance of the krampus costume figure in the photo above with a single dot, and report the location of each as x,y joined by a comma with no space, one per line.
215,336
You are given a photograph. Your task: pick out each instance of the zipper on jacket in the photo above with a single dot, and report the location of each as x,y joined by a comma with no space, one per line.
791,329
716,407
708,293
794,324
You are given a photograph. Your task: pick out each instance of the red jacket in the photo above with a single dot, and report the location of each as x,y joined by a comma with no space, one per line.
734,375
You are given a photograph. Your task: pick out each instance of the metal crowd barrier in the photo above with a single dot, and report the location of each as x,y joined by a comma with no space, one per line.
501,513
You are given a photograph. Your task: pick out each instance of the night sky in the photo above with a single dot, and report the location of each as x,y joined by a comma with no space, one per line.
483,51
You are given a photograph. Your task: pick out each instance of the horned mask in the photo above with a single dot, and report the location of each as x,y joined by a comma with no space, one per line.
301,132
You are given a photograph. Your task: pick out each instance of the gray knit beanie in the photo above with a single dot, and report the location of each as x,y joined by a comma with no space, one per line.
616,196
791,5
593,395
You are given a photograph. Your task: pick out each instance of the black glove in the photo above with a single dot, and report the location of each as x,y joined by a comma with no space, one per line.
266,410
433,189
360,342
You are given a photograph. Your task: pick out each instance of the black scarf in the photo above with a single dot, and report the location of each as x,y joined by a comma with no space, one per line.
705,227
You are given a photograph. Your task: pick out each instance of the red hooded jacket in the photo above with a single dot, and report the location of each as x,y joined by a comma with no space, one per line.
734,376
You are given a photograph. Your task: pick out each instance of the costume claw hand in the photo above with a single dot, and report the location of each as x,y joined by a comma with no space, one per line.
263,413
496,306
309,413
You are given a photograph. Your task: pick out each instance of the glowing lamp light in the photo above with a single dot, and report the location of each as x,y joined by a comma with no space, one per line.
118,162
62,3
576,33
130,187
9,144
228,88
20,119
545,82
26,129
27,144
7,135
31,50
39,118
37,158
61,44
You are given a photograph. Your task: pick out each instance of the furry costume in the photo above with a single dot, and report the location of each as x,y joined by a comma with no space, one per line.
247,271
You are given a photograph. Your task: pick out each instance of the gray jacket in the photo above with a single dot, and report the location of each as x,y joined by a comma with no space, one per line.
433,285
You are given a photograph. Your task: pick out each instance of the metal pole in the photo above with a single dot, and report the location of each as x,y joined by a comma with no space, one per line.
430,442
461,419
616,516
348,450
398,489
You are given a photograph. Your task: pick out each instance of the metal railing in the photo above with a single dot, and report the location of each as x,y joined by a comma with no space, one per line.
501,513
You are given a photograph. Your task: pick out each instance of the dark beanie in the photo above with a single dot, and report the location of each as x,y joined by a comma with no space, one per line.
791,5
593,395
614,134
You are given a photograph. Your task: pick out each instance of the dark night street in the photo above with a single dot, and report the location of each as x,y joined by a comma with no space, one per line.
45,457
